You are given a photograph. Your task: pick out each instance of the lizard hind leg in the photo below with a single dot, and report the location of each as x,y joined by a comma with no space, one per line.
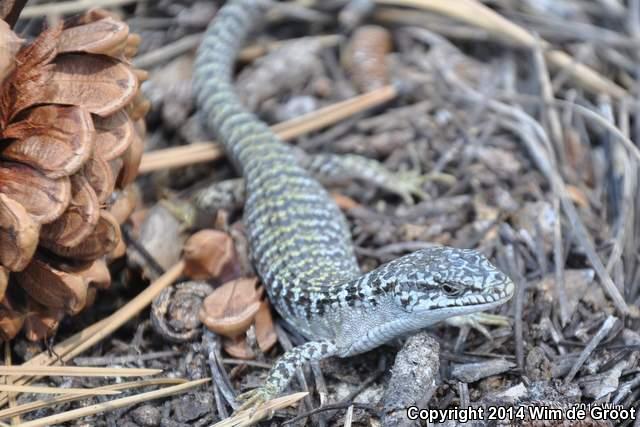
283,371
328,168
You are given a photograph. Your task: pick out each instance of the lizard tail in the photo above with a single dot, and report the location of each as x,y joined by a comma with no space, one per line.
234,126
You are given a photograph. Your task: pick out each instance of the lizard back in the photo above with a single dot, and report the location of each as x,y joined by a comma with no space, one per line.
299,240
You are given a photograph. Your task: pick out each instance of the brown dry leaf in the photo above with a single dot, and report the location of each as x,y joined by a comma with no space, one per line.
63,290
99,174
237,347
44,198
265,330
99,84
41,322
11,320
209,254
78,221
102,240
231,308
106,36
54,139
132,157
114,134
18,235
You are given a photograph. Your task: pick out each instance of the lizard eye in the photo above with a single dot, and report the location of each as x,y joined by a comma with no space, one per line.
451,290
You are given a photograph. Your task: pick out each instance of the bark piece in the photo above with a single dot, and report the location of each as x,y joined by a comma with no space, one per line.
414,379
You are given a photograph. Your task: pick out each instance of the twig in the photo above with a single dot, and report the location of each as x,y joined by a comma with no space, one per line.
164,53
121,360
93,334
599,336
475,13
38,404
67,7
114,404
199,152
75,371
332,407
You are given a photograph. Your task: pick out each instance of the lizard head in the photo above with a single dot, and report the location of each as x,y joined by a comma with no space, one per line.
444,282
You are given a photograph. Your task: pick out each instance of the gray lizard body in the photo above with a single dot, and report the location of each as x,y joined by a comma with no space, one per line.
300,243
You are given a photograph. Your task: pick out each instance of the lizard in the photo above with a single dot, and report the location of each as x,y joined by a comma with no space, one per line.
300,243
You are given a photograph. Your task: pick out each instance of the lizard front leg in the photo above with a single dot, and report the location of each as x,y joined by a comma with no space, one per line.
477,321
283,371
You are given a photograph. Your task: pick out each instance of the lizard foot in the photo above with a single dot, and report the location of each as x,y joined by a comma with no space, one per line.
409,183
252,399
183,211
478,320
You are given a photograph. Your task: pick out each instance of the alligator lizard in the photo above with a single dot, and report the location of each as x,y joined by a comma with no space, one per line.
300,243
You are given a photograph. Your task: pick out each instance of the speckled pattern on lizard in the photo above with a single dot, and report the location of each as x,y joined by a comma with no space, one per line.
300,242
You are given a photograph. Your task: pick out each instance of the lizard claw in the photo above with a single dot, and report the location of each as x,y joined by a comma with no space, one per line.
253,399
409,183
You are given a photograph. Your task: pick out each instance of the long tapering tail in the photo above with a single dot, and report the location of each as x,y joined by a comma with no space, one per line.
234,126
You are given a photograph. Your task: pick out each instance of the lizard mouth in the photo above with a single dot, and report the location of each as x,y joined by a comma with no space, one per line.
497,296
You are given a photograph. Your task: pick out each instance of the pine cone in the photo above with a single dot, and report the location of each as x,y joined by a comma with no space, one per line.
71,132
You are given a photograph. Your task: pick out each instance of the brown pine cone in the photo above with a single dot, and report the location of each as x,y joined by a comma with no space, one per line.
71,132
